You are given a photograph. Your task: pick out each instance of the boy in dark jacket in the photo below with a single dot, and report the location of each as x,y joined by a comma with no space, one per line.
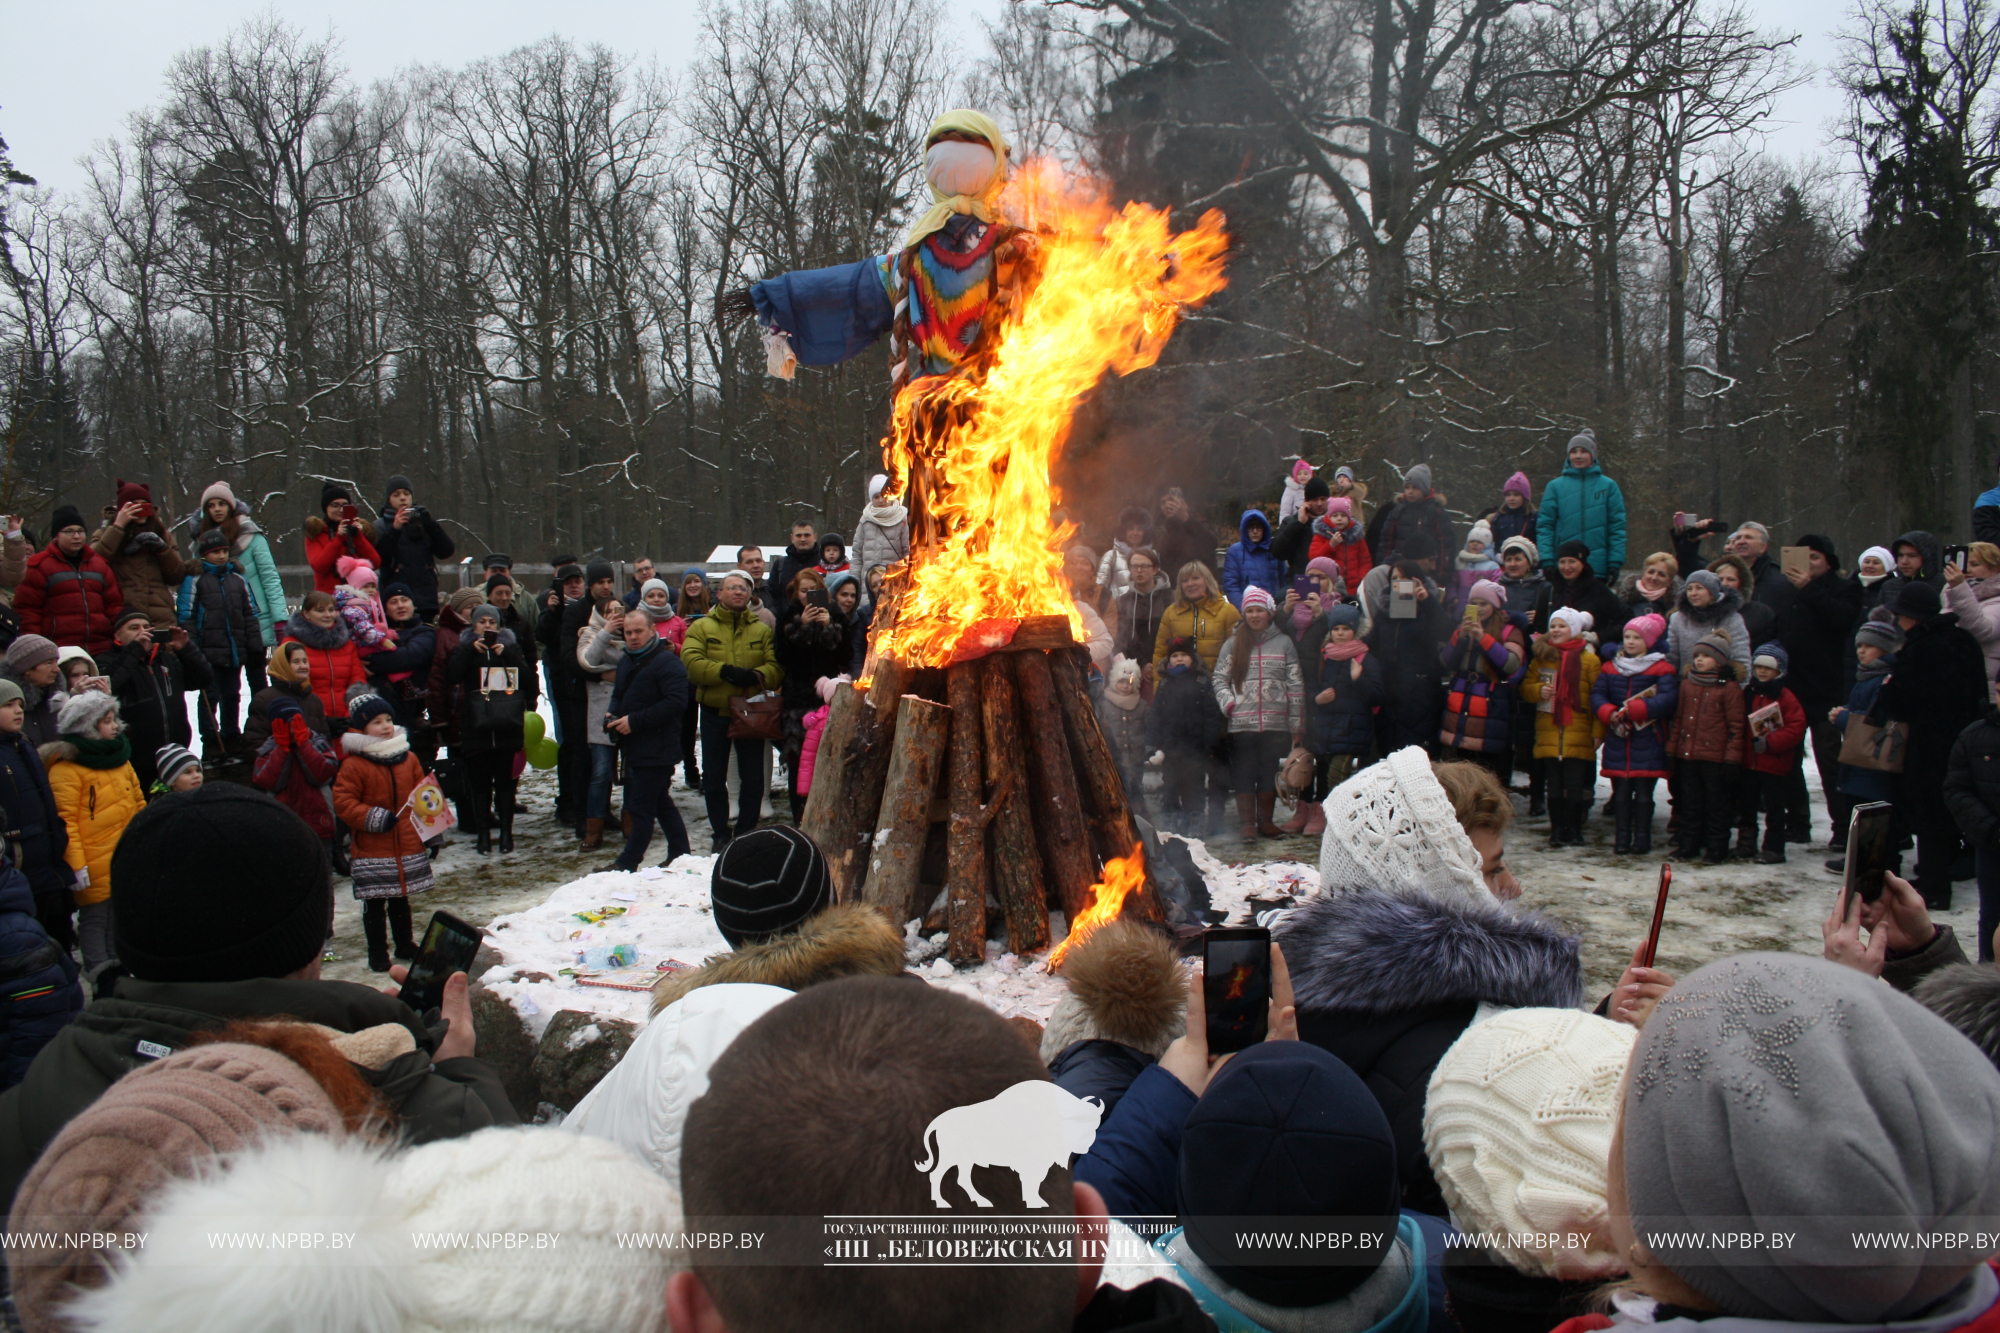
41,993
1777,725
148,679
1876,644
1707,744
219,613
411,542
1185,724
648,699
35,835
1972,794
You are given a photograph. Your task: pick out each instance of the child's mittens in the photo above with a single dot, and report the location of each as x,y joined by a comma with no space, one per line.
301,732
281,735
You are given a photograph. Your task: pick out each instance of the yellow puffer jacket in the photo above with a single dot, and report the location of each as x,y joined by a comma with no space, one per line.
1209,623
725,638
96,804
1580,739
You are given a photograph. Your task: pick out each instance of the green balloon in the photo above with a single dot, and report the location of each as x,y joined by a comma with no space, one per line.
532,730
542,752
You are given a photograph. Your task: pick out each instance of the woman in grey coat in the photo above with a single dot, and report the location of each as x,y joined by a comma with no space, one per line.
1706,607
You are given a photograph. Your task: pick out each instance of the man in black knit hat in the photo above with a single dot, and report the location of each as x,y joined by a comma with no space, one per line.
201,946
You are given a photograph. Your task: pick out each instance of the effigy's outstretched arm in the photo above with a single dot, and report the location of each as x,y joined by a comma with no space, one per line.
822,316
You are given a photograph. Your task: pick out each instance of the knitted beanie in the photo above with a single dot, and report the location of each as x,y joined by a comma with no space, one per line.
282,706
28,652
1184,643
397,482
1772,654
1343,613
171,760
597,571
1882,633
127,616
10,693
397,590
651,584
211,539
484,591
1256,596
766,884
66,516
1340,504
1524,546
368,707
1919,599
1287,1130
1416,547
1482,532
80,716
1519,485
332,491
1648,627
1343,471
1577,549
1704,578
133,493
1317,489
464,599
1718,646
220,491
1517,1126
163,1121
354,571
825,686
1419,477
178,919
1489,592
1883,554
1584,439
485,611
1579,622
1780,1090
1320,564
1391,827
592,1199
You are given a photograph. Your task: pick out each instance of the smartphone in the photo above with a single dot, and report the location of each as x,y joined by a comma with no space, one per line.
817,597
1870,843
1236,986
1795,558
146,511
1303,586
1955,557
1659,915
489,636
1402,599
348,513
449,946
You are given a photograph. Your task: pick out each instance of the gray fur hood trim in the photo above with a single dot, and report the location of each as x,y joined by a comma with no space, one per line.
1368,952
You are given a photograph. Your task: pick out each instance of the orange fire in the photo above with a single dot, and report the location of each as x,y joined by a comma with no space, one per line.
1123,876
1111,286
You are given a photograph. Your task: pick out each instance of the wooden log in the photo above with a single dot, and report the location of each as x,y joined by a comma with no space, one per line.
1100,785
1017,865
967,878
854,766
1040,634
1059,819
896,853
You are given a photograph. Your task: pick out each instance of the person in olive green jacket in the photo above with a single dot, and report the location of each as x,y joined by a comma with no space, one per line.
730,652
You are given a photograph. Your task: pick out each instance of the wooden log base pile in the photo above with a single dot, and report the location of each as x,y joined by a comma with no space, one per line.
1032,805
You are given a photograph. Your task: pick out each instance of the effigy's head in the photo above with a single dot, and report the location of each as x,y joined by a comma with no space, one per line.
965,159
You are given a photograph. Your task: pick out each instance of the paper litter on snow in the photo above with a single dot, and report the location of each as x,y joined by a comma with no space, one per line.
665,925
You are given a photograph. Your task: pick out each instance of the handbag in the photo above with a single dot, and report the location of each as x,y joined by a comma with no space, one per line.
1879,748
1295,775
756,717
501,709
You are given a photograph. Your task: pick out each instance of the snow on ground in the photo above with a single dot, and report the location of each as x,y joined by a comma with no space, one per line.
529,902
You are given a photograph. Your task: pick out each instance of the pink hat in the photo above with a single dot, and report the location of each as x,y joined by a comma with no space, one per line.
357,572
1340,504
1491,593
1648,627
1302,471
1256,596
1520,485
826,685
1320,564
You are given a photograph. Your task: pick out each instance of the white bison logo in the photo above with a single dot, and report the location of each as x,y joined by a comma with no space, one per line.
1030,1129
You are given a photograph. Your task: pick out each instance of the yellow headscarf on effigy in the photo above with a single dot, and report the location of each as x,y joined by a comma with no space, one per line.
945,206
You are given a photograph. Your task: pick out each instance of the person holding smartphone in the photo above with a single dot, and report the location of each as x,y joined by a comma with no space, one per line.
496,690
337,530
150,672
814,641
140,549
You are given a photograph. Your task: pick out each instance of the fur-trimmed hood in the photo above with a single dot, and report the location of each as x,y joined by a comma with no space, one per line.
1123,984
1368,952
312,636
380,749
845,940
317,526
1967,996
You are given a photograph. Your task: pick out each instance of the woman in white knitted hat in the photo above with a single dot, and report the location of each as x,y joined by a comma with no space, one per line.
1410,934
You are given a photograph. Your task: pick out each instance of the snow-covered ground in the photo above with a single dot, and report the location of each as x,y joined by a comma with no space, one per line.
530,903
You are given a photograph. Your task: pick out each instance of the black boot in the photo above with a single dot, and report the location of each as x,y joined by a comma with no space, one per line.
399,928
1642,825
507,830
375,925
1621,813
1558,820
482,841
1538,781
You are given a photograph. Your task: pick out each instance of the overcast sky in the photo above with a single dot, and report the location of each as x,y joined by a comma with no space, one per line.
78,67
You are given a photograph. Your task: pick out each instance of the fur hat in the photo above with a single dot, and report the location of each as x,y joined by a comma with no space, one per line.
1967,996
165,1121
1517,1126
219,491
766,883
1124,671
1584,439
1648,627
1392,827
1524,546
28,652
1123,983
171,760
1519,485
1256,596
80,716
510,1179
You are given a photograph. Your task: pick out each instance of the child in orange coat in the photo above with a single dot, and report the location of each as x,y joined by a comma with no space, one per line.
371,795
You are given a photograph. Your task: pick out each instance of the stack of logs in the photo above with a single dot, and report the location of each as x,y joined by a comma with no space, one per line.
1033,807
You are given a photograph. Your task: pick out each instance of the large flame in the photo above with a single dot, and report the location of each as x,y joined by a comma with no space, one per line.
1123,877
1109,287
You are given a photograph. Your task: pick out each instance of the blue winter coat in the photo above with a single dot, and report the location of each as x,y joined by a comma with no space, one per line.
1507,523
652,690
1136,1155
1643,754
39,993
1347,725
37,839
1247,563
1098,1067
1583,506
1864,784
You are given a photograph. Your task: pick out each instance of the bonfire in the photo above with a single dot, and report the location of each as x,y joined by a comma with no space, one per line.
973,666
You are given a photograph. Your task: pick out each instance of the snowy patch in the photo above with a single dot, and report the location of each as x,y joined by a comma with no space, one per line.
583,1036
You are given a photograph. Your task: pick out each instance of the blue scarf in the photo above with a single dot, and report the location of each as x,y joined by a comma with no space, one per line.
651,644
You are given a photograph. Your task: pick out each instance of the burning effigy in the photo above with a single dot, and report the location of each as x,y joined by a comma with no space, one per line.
1012,297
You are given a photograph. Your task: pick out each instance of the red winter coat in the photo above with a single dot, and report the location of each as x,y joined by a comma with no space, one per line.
69,601
1351,555
296,765
324,547
336,662
1781,747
